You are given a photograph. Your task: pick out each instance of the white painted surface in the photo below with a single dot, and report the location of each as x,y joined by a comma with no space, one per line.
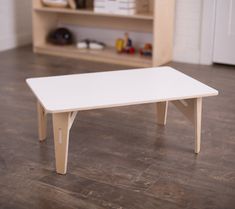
224,46
15,23
207,32
187,31
117,88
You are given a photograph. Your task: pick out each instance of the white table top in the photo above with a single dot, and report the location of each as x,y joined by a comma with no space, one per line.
116,88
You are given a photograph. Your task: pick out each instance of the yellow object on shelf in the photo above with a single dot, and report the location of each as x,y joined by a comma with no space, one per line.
119,45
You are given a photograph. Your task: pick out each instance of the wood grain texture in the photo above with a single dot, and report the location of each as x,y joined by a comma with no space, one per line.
163,31
162,112
42,122
108,55
121,158
61,127
186,107
197,123
192,110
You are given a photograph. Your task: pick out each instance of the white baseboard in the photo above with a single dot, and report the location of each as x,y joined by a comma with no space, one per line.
15,41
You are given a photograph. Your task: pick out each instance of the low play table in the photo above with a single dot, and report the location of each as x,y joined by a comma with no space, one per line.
64,96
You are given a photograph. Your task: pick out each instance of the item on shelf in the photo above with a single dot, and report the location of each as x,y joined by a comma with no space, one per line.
127,42
72,4
143,6
121,7
80,4
83,44
125,45
96,45
55,3
90,44
147,51
119,45
60,36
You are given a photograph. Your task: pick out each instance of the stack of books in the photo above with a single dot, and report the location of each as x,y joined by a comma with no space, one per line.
121,7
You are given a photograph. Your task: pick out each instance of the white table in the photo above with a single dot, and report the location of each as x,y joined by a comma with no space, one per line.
64,96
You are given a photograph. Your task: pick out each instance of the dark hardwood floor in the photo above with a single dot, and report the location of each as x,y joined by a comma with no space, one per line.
118,157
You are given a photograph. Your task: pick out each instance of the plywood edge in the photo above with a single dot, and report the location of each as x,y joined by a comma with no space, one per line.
84,56
164,13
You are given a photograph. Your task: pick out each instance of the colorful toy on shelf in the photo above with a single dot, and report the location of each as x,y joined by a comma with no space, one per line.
147,51
90,44
60,36
128,47
125,45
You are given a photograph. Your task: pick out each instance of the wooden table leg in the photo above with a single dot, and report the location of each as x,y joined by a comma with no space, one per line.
192,109
61,140
162,112
62,122
42,122
197,123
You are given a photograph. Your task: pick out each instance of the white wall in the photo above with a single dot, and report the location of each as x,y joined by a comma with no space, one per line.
187,39
15,23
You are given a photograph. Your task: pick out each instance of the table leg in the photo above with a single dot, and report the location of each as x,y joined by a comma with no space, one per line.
42,122
192,109
197,123
61,140
62,123
162,112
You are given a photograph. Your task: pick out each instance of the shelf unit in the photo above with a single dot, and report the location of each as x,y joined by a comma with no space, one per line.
160,23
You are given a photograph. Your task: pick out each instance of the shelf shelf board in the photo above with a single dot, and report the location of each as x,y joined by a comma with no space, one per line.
91,13
108,55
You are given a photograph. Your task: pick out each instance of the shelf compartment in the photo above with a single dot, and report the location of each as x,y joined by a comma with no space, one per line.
87,18
108,55
90,12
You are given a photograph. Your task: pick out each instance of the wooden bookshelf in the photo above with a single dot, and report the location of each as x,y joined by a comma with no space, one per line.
160,23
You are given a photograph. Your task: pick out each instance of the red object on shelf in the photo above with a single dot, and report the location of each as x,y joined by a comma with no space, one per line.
132,50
